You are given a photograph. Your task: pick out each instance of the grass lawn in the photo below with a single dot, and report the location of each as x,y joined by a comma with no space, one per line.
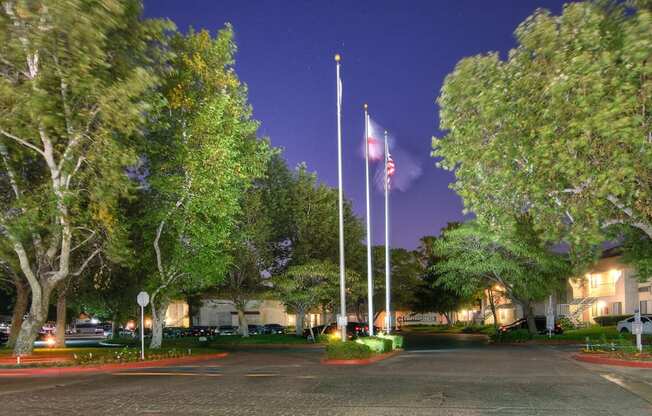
594,332
449,329
257,340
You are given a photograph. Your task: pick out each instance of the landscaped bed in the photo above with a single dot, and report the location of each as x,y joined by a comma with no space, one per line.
364,350
63,357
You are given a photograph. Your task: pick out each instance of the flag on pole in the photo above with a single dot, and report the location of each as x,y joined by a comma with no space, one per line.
375,141
391,169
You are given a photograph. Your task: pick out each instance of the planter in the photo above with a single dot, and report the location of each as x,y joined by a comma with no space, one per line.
104,368
604,359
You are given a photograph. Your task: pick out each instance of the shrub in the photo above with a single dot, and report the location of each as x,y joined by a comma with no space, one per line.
338,350
518,335
475,329
397,340
376,344
610,320
566,324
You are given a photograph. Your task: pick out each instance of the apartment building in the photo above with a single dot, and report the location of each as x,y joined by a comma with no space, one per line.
609,287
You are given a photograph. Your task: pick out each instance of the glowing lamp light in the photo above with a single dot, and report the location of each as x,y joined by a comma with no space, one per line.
615,274
601,304
50,341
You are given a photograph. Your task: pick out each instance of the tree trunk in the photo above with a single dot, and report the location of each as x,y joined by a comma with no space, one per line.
158,322
20,308
529,316
492,304
114,326
32,324
299,324
448,318
324,316
242,322
60,334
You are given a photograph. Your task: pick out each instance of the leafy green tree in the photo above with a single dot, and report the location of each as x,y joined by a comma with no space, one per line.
304,287
561,128
252,248
72,79
405,272
429,294
202,153
474,256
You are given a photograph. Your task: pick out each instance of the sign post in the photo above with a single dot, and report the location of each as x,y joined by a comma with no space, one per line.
550,318
143,300
637,329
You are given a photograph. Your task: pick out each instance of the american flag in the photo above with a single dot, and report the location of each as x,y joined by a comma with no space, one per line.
391,168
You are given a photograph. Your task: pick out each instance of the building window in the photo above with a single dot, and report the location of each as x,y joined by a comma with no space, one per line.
643,308
644,289
617,308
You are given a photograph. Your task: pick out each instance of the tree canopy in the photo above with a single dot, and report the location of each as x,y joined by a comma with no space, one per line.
559,129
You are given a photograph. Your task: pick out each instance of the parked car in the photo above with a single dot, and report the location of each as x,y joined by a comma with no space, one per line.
173,332
540,322
227,330
625,326
255,329
274,329
201,331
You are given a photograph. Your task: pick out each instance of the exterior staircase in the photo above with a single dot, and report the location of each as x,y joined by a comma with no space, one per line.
574,310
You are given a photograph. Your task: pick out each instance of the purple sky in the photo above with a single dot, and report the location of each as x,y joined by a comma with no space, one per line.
395,57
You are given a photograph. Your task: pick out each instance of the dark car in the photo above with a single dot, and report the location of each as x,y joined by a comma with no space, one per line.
227,330
200,331
540,322
173,332
4,337
274,329
255,329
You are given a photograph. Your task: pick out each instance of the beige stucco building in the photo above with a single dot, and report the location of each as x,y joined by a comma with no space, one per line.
610,287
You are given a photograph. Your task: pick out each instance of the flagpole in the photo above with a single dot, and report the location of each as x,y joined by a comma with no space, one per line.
370,279
342,322
388,312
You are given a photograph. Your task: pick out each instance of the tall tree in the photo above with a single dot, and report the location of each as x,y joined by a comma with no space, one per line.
251,253
202,153
561,128
521,266
430,295
72,77
304,287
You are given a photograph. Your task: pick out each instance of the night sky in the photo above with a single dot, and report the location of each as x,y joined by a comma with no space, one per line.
395,56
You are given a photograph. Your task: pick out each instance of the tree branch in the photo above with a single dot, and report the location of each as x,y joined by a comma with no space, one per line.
22,141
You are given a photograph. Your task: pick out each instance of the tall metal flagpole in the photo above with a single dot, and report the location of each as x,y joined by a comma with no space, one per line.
388,312
342,321
370,278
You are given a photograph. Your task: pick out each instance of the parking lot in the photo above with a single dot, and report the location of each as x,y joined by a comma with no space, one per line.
453,376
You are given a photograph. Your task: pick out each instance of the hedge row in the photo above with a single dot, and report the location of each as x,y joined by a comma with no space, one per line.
610,320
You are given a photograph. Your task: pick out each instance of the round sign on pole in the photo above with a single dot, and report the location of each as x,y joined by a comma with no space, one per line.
143,299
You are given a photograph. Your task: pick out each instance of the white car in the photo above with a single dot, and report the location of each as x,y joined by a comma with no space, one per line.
625,326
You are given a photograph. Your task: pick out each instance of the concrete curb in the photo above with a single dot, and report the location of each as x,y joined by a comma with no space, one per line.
363,361
104,368
598,359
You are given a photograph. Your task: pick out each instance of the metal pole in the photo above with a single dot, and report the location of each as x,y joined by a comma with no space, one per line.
370,278
342,322
142,332
388,312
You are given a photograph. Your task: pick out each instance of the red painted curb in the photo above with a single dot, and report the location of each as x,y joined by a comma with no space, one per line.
362,361
57,371
595,359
